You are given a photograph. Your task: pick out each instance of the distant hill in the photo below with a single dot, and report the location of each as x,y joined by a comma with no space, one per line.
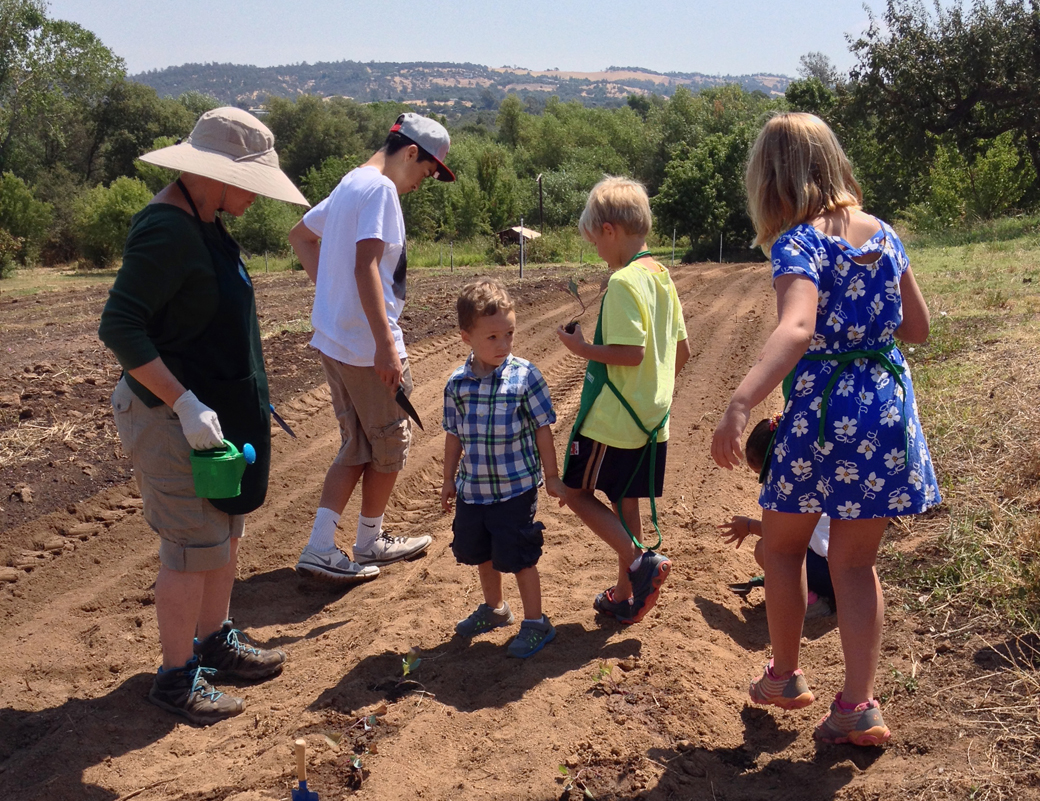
445,87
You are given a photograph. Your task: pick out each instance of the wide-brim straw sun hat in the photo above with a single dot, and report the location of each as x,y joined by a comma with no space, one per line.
233,147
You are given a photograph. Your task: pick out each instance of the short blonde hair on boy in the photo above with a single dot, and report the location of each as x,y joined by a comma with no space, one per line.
481,299
618,201
796,170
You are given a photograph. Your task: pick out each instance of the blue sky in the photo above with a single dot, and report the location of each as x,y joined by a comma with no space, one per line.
736,37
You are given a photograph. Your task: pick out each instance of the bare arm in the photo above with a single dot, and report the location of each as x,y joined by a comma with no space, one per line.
156,377
620,355
916,319
682,355
543,440
370,292
199,423
452,455
306,244
796,299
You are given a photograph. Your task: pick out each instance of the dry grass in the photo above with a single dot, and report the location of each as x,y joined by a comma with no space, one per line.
973,566
26,439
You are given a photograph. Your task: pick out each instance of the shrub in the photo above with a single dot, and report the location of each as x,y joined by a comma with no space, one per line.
102,218
553,247
264,228
154,176
23,217
10,246
318,182
963,190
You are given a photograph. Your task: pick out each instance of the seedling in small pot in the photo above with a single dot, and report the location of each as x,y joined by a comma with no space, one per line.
572,288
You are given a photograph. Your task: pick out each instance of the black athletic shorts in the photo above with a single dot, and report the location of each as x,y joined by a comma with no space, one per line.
595,466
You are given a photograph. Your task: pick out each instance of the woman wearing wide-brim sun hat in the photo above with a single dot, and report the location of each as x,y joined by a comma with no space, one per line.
181,320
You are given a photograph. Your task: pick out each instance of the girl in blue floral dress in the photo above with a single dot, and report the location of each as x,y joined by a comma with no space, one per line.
849,443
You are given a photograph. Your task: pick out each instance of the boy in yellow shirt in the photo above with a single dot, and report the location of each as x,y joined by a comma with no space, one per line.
619,441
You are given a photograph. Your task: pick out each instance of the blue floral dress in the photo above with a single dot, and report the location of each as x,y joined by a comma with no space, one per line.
861,453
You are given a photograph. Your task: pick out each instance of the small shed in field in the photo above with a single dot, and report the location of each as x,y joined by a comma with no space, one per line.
512,235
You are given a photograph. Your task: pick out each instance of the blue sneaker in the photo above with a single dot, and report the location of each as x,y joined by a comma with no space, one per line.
485,619
646,584
533,637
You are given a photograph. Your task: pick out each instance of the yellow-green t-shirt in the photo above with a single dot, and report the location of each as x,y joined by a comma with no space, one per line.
640,308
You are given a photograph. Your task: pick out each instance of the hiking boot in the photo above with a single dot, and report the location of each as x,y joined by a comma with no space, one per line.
862,725
788,691
485,618
229,651
387,549
646,584
533,637
185,691
606,605
333,566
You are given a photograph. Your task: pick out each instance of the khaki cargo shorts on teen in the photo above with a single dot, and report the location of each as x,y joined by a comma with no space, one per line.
373,429
195,536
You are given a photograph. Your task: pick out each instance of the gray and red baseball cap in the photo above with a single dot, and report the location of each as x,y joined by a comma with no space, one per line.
431,136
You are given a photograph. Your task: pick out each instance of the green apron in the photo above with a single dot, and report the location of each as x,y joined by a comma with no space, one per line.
844,360
226,371
596,378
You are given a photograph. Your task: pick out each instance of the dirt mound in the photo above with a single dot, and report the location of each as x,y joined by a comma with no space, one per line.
657,710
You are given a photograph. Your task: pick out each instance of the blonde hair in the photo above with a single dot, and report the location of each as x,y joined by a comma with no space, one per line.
796,170
618,201
481,299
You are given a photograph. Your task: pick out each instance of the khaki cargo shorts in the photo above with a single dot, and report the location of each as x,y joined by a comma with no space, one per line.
195,536
373,429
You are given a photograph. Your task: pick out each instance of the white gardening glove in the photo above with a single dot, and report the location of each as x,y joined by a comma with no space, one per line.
198,422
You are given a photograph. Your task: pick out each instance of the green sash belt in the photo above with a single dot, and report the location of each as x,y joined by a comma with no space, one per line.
844,360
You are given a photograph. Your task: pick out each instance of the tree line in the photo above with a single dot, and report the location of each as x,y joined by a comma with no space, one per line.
939,115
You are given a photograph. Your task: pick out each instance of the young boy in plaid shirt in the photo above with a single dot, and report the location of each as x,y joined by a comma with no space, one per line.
497,415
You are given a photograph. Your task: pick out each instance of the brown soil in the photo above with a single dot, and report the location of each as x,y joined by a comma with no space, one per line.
657,710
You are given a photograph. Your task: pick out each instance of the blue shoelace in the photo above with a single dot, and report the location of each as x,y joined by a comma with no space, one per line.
238,641
200,675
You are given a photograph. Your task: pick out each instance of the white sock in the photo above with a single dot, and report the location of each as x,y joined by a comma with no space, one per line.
323,533
368,529
635,565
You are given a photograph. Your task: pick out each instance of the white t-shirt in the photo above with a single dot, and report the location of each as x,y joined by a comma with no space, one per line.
821,536
364,205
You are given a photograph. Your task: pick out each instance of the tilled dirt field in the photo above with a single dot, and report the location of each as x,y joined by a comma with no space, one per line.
658,710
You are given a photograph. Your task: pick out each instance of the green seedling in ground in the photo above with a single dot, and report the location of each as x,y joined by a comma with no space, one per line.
608,679
411,661
575,781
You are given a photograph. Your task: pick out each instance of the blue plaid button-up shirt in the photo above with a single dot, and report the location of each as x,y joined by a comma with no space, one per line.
495,418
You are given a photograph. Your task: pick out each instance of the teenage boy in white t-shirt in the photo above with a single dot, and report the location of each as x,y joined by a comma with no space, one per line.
352,245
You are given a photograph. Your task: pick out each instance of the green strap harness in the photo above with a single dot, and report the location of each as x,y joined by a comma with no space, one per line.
596,378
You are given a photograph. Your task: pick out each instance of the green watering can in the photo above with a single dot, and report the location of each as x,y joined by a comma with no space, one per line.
218,472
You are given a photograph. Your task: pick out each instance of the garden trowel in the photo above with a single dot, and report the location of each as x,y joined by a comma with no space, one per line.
744,588
302,793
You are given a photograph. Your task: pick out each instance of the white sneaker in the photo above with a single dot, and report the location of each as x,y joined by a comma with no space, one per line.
333,566
387,549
